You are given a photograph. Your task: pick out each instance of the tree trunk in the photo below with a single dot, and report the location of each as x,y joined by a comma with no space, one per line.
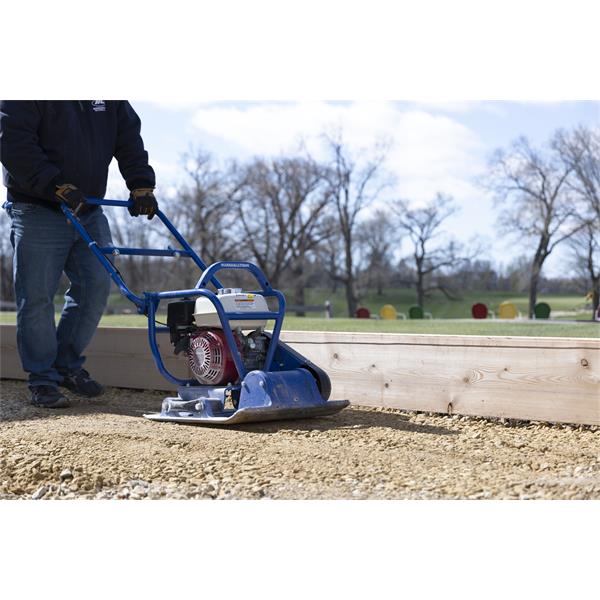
299,286
350,284
351,298
533,287
536,268
420,290
594,277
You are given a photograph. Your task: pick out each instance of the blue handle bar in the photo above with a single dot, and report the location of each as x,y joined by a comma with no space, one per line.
107,202
148,304
100,252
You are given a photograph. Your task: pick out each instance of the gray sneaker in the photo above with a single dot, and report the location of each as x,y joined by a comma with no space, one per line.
48,396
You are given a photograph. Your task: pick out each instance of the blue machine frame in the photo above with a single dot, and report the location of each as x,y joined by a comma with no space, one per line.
148,304
288,386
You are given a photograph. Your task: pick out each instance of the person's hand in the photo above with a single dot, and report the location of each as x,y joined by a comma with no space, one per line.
144,203
72,196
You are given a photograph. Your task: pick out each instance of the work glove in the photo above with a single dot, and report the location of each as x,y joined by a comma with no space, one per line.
73,197
144,203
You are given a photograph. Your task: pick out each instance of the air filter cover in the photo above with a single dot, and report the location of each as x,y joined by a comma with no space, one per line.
232,300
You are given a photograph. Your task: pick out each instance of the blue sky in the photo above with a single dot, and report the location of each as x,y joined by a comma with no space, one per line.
436,146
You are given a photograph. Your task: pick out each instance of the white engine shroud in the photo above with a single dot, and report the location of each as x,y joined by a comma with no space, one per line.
233,300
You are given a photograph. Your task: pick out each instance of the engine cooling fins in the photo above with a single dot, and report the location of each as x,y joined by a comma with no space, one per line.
209,359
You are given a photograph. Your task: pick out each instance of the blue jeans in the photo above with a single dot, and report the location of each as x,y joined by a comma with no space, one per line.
45,244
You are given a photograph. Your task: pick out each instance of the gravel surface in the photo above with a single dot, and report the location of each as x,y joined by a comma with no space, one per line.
104,449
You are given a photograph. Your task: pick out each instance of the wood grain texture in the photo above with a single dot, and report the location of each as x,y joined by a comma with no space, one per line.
549,379
545,379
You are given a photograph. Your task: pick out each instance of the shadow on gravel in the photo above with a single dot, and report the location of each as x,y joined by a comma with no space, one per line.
15,406
349,418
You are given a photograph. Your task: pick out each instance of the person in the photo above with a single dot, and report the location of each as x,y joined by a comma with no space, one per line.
53,152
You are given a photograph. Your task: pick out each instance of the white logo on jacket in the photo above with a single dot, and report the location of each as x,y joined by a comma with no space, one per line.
98,105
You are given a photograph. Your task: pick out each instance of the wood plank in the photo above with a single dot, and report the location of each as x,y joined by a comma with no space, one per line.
521,378
546,379
428,339
116,356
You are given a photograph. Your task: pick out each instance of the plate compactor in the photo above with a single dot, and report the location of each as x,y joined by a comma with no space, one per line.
242,373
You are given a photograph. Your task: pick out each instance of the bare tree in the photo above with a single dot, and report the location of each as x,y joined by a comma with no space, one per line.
355,184
204,212
431,252
281,205
201,210
330,251
579,150
378,238
531,187
476,274
518,273
585,245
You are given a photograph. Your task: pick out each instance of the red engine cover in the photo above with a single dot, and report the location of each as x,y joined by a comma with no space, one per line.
209,358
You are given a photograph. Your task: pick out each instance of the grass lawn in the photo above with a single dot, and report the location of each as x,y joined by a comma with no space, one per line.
446,326
442,308
440,326
567,306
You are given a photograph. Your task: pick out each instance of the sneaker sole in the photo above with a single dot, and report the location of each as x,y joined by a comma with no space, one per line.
80,393
62,403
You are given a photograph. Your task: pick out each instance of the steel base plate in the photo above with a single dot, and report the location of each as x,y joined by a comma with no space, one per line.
256,415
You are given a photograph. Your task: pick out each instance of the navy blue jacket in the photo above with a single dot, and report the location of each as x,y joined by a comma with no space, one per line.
45,143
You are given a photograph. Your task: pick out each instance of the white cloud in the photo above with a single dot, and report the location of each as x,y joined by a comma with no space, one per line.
428,151
462,107
266,128
175,105
433,153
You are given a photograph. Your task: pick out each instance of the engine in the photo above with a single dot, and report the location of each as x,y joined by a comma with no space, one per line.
209,358
195,329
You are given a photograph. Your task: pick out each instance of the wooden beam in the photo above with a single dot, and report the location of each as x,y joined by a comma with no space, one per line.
117,356
545,379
